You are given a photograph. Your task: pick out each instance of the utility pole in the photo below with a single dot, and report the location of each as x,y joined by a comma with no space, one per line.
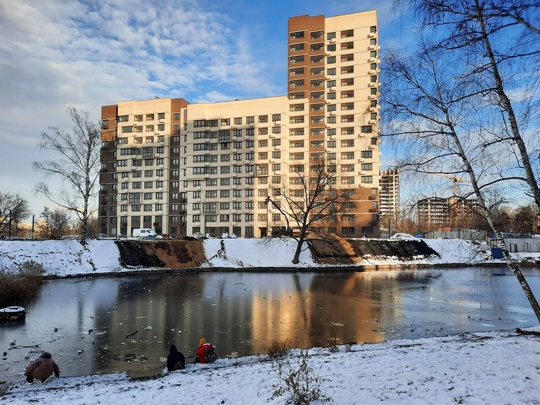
267,213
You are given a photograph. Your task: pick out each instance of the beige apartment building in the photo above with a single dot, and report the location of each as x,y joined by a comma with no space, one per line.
184,168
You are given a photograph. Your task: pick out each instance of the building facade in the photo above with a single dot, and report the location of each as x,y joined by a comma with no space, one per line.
184,168
389,199
446,214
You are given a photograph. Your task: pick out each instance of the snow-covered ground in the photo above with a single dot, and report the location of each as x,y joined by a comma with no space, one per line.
481,368
67,257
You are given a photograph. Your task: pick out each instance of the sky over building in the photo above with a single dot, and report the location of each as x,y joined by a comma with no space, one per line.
90,53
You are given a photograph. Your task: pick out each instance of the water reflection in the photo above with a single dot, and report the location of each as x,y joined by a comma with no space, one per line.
127,324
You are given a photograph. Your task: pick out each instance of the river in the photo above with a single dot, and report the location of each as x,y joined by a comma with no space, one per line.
107,325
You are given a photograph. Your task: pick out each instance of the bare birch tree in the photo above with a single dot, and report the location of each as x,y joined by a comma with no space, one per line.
450,128
77,166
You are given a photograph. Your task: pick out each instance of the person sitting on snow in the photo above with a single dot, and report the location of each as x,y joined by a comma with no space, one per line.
205,352
175,359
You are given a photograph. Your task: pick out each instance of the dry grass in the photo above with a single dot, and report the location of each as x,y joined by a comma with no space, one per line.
278,348
19,287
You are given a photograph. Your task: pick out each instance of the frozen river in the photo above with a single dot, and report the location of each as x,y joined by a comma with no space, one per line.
109,325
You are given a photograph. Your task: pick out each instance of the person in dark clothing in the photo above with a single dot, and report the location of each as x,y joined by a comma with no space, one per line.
175,359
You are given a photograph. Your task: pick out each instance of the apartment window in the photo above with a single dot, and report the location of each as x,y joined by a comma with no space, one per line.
366,179
237,181
276,142
366,166
331,96
347,155
224,206
366,154
224,182
224,169
330,35
237,121
331,59
331,48
224,193
250,120
366,129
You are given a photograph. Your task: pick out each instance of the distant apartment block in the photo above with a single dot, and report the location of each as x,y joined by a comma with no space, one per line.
184,168
389,193
438,213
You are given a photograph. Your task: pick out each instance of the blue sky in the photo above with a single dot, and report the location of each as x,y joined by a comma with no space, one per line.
90,53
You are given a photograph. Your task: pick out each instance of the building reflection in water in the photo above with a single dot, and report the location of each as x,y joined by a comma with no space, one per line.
91,324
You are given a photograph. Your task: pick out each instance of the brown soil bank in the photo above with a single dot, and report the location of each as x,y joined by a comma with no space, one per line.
169,254
180,254
353,251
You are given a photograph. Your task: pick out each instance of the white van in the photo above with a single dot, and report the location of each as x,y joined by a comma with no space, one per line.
144,233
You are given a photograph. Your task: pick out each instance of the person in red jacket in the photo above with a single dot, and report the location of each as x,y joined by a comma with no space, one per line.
201,351
42,368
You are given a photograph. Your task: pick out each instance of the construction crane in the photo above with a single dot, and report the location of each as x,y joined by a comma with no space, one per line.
455,179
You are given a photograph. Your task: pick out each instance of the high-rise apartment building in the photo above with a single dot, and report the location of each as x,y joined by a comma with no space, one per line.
389,197
437,213
184,168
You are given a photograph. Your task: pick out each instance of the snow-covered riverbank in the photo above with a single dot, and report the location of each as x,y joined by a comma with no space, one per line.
481,368
68,258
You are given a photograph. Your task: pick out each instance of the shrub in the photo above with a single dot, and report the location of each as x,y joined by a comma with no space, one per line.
278,348
298,379
17,288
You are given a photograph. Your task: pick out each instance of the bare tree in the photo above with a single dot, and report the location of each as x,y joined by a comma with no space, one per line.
451,133
77,166
499,45
55,223
311,202
13,210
